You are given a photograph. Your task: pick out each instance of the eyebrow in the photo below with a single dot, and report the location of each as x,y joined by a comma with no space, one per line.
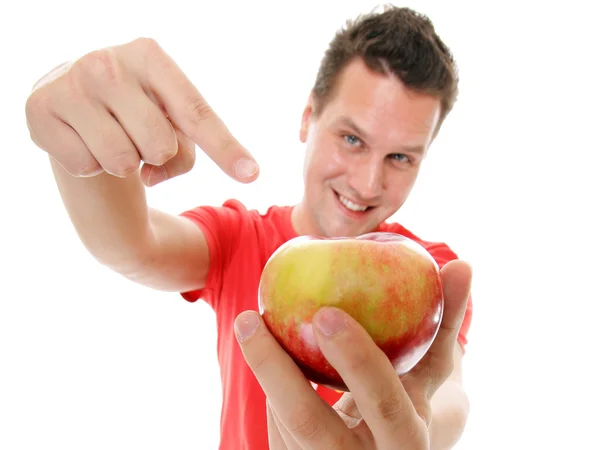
348,122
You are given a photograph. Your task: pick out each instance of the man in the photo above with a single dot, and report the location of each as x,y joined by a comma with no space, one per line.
383,90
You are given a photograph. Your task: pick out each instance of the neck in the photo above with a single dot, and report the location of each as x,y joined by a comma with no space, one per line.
301,221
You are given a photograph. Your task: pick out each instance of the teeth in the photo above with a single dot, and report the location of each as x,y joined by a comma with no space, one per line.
351,205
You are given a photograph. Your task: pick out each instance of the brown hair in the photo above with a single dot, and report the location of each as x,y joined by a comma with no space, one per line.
397,40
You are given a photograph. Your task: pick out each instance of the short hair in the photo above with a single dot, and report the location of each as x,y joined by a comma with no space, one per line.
399,41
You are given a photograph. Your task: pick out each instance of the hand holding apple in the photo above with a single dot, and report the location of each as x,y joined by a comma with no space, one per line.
388,283
381,410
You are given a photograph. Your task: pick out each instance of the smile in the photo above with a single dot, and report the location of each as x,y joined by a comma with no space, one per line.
349,204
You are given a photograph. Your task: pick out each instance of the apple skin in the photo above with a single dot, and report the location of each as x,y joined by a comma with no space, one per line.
387,282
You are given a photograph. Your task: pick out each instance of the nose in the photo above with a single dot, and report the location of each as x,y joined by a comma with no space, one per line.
365,177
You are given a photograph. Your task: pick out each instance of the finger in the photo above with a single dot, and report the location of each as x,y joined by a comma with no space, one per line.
188,109
456,276
307,418
427,376
367,372
52,75
143,121
65,146
104,137
181,163
438,363
57,138
279,438
348,411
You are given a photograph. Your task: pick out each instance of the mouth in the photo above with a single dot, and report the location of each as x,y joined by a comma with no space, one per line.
356,209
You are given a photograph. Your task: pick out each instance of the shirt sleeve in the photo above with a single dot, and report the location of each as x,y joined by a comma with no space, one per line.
221,227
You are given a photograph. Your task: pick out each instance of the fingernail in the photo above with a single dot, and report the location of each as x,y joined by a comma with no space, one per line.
245,168
157,174
245,325
330,321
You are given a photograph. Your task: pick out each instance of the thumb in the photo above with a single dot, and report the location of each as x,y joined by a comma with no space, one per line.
438,362
456,278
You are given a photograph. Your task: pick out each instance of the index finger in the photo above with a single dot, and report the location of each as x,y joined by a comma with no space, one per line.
161,77
311,422
367,372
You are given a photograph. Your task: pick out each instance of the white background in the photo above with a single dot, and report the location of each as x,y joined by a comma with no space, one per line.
90,360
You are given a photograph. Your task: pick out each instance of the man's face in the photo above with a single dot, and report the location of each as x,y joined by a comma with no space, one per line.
363,152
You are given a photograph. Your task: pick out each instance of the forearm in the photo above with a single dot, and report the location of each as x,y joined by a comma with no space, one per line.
110,215
450,409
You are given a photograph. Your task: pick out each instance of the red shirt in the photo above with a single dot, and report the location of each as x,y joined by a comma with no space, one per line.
240,242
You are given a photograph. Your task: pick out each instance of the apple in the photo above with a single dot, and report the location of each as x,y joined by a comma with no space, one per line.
389,283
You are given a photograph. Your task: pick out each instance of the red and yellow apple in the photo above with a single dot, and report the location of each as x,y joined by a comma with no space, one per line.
389,283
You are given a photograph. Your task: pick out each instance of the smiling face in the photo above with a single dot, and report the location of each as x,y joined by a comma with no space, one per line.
363,152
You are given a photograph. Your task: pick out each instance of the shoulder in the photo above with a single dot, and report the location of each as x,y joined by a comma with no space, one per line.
239,240
275,218
235,208
229,215
233,221
228,207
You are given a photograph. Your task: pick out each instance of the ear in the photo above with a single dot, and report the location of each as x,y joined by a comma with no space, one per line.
306,117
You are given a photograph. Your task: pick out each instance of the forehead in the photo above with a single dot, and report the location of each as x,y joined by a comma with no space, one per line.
383,106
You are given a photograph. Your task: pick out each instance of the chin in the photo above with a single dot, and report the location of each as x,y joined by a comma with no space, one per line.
343,230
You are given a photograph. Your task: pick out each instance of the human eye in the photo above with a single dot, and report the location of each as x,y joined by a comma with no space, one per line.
352,140
399,158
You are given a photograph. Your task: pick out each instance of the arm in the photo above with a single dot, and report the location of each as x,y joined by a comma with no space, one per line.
450,408
102,116
114,223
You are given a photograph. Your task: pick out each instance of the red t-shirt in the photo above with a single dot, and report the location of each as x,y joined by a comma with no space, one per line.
240,242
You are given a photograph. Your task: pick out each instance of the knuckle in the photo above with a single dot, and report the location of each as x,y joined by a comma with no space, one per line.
78,166
36,104
199,111
188,158
259,359
36,107
360,358
161,149
88,170
405,423
410,433
159,144
123,164
305,423
102,66
162,155
390,407
147,44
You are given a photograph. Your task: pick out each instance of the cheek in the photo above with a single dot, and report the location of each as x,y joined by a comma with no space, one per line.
339,160
399,187
334,166
326,161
